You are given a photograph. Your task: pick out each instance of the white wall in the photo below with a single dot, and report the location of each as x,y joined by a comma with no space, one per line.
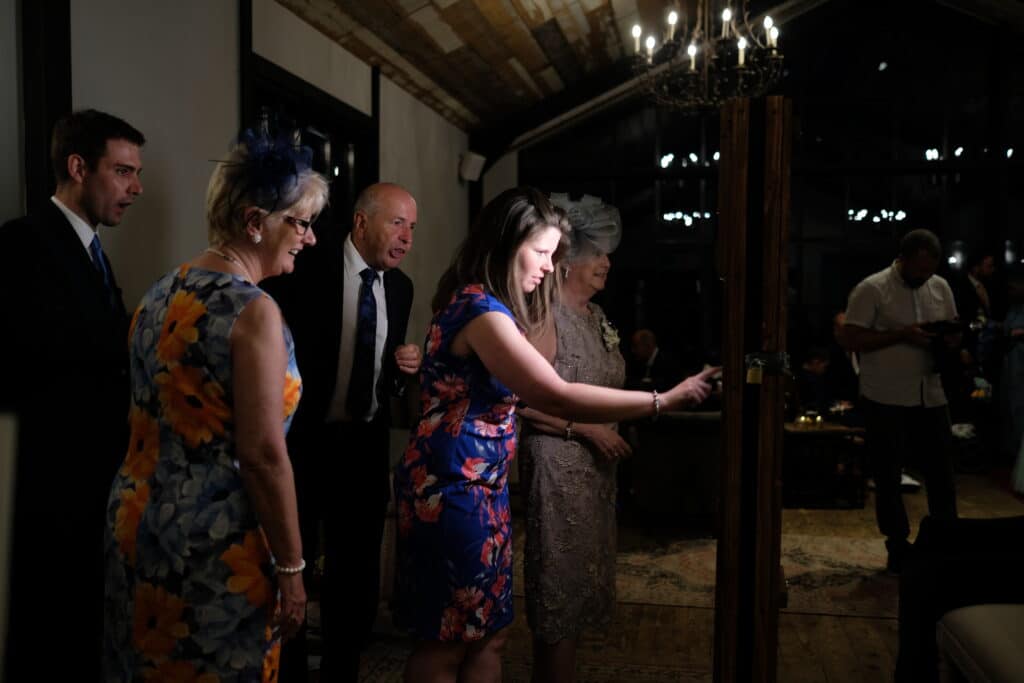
171,69
420,151
130,60
501,176
11,149
282,38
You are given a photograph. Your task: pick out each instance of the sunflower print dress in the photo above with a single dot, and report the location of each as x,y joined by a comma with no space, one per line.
454,569
189,589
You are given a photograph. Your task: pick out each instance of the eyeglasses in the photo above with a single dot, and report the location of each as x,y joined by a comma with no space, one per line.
301,225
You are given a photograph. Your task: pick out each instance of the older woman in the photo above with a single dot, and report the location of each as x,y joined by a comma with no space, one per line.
204,555
454,583
568,469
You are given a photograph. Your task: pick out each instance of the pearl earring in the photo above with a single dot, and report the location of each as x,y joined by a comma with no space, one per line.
256,238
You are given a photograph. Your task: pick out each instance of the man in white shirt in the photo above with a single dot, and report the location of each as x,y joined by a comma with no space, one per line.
905,408
65,376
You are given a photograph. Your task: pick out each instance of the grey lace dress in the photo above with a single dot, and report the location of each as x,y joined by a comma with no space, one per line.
570,498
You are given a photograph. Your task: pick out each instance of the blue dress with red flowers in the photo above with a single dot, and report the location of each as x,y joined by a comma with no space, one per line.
190,594
454,571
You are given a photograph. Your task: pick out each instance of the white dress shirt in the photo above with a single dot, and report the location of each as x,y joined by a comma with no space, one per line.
84,231
354,265
901,374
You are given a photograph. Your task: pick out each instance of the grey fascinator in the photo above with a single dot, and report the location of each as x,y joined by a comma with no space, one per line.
596,226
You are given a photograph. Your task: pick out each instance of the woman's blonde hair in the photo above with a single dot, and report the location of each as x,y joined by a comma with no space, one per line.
488,256
269,175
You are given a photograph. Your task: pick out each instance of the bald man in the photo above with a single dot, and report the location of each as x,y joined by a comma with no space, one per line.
348,310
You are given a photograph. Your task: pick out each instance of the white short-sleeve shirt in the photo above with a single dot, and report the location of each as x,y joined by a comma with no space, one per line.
901,374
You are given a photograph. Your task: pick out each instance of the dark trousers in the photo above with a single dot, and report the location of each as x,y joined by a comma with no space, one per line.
341,473
55,599
899,435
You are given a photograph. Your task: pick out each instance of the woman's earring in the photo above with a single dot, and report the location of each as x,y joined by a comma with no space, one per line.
256,237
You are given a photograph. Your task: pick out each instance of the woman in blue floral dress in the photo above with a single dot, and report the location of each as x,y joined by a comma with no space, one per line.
202,513
454,580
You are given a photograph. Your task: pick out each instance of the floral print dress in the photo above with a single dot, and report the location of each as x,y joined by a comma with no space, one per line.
454,573
189,593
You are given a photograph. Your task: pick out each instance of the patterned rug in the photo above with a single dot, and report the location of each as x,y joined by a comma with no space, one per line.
824,575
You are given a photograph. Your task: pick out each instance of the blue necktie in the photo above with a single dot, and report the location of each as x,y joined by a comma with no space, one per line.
100,263
360,384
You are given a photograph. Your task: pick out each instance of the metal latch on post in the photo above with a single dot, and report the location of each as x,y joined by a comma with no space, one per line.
762,363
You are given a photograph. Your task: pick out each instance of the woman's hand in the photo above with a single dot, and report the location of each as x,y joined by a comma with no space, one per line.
690,391
292,610
605,440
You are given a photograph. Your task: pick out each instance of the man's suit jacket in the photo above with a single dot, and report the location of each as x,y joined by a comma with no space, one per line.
65,375
64,353
311,301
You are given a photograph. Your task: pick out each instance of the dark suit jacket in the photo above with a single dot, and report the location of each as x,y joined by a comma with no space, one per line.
65,375
65,352
311,301
665,373
968,303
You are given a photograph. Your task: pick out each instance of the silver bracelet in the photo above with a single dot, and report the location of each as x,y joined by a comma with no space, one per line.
657,404
568,431
281,569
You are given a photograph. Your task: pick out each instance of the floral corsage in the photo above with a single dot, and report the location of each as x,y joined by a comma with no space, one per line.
609,335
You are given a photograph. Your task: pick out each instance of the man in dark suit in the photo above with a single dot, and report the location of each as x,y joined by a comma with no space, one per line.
653,367
348,309
65,377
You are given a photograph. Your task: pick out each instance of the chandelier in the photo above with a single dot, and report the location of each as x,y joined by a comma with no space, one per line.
698,66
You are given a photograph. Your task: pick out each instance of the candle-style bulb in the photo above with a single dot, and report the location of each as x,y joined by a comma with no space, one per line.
774,35
726,15
637,30
768,23
650,44
692,51
673,17
742,45
636,38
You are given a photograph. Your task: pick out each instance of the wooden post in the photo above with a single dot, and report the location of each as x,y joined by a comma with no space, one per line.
731,257
753,220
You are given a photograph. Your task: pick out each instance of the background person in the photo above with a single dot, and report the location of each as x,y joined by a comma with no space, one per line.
905,411
653,367
204,557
